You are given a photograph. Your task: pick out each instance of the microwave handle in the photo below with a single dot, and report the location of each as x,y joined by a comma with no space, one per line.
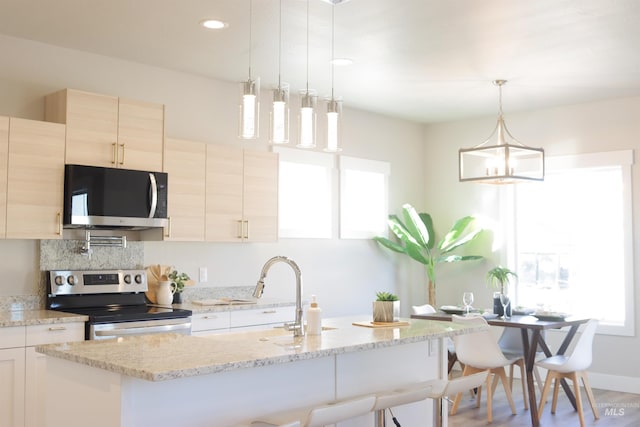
153,195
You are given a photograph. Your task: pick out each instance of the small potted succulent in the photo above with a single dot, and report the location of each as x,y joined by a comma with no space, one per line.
386,308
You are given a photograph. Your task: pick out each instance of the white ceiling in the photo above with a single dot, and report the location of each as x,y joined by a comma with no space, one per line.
423,60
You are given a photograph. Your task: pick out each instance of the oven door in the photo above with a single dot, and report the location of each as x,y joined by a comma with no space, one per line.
100,331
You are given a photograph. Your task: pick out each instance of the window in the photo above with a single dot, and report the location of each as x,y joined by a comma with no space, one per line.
364,187
305,193
573,241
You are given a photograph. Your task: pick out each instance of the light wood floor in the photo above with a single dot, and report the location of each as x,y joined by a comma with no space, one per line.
616,410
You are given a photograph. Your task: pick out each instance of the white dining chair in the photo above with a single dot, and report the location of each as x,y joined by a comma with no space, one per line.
479,351
510,343
573,367
452,357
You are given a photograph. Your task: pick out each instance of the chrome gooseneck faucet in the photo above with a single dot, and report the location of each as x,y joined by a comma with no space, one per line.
296,327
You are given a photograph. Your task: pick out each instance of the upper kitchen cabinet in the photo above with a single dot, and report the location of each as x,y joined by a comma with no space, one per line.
4,153
108,131
35,179
185,162
242,195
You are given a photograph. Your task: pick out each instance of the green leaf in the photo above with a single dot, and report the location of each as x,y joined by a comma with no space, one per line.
400,230
390,244
416,226
463,231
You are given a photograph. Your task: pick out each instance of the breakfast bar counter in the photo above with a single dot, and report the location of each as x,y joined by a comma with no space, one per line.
230,379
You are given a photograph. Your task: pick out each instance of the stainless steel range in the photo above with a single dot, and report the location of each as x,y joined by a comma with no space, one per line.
114,301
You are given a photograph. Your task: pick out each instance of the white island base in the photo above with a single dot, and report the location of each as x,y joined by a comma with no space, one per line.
229,380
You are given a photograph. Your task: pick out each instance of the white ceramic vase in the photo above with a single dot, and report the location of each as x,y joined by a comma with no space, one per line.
164,293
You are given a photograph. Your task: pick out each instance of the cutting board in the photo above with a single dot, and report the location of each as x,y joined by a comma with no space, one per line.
382,324
223,301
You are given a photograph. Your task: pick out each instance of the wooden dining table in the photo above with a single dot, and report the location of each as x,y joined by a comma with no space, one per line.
532,338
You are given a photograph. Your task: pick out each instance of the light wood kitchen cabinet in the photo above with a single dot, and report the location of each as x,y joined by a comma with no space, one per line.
4,156
109,131
242,195
185,162
35,179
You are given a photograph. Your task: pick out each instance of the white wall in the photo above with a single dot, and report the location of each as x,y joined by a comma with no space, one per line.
586,128
345,274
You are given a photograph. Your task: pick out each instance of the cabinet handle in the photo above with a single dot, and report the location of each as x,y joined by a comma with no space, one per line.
168,234
246,235
114,155
57,328
122,158
210,317
59,223
269,312
240,229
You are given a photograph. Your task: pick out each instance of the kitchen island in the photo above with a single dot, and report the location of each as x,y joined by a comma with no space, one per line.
231,379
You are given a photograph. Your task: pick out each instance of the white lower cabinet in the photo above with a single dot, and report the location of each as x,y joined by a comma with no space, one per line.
246,320
12,371
203,324
22,370
217,322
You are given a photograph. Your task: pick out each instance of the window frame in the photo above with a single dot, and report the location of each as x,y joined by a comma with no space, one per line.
624,160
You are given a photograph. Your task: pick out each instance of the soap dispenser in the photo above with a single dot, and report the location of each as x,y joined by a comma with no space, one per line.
314,318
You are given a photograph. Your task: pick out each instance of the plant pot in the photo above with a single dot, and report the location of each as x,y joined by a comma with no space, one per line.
386,311
177,298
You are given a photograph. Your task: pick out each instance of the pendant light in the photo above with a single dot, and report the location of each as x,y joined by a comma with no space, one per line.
308,101
249,108
279,115
334,106
501,158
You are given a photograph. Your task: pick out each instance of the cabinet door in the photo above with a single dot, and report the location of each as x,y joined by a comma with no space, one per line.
12,372
35,179
92,126
140,135
4,152
260,207
224,194
185,162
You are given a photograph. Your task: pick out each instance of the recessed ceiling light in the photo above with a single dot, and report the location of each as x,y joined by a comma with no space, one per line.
342,61
213,24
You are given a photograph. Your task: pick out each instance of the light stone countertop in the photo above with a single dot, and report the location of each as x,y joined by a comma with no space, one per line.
170,356
37,317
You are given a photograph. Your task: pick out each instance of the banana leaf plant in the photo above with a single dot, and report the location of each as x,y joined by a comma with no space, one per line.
416,238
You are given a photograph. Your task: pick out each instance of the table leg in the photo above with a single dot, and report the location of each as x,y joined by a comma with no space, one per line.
530,348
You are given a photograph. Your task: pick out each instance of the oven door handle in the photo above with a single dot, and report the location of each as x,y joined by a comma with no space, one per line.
143,330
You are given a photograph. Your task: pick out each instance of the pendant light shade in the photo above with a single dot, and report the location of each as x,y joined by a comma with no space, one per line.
279,115
308,100
334,106
249,107
501,158
307,119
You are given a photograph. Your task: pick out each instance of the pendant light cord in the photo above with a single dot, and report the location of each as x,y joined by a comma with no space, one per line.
333,19
307,47
279,44
250,34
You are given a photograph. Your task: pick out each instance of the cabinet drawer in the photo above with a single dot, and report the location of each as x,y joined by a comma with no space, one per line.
209,321
262,316
55,333
12,336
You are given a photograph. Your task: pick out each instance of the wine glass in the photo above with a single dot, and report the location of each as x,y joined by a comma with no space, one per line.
467,300
504,300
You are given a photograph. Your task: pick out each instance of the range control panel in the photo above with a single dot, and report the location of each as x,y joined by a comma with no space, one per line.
74,282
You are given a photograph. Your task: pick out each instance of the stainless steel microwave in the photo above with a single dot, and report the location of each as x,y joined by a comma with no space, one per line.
97,197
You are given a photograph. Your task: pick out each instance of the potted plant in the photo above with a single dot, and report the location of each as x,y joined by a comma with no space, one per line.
386,307
417,239
499,278
178,282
